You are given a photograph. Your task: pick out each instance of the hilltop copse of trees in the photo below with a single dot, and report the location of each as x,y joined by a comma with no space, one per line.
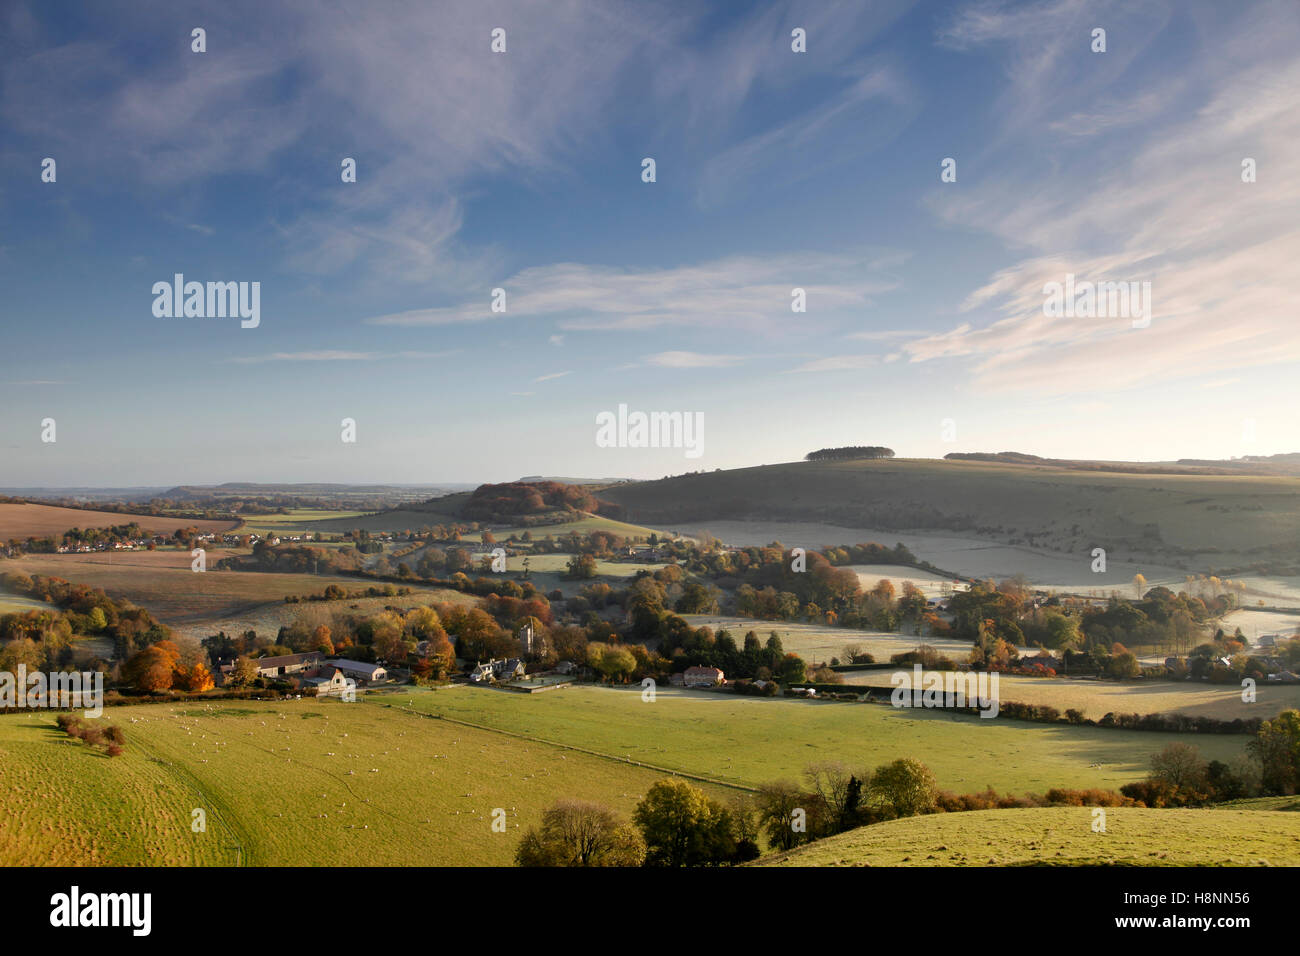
849,453
495,502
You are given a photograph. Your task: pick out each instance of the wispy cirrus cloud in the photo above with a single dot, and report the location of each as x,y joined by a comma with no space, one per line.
836,363
173,120
738,290
885,335
691,360
1165,205
877,105
336,355
1044,50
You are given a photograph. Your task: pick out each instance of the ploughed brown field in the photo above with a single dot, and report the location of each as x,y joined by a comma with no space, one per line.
39,521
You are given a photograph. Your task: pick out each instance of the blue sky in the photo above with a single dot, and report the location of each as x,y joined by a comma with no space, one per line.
522,171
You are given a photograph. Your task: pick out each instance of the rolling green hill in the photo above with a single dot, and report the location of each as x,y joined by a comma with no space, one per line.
287,783
1191,520
1063,836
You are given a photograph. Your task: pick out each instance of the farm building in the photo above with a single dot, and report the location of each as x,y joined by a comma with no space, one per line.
359,671
288,664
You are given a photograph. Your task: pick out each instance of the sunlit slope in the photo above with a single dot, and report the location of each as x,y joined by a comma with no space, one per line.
290,783
1064,836
1193,518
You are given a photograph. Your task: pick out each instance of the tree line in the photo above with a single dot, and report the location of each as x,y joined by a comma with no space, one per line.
849,452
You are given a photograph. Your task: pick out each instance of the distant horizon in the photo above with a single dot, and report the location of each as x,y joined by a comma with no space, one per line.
12,489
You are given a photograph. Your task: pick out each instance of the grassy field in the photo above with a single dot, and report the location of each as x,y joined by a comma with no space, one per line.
1097,698
65,804
546,571
931,585
202,604
749,741
381,782
314,783
1063,836
404,519
295,522
28,520
399,520
583,525
13,603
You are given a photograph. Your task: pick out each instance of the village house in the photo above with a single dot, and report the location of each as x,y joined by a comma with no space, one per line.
330,683
703,677
497,670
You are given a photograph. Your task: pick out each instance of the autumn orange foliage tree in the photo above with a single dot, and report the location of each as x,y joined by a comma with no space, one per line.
154,668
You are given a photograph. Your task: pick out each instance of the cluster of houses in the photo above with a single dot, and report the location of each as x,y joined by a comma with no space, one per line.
159,540
1272,640
513,668
1277,670
128,545
641,552
1275,667
316,673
